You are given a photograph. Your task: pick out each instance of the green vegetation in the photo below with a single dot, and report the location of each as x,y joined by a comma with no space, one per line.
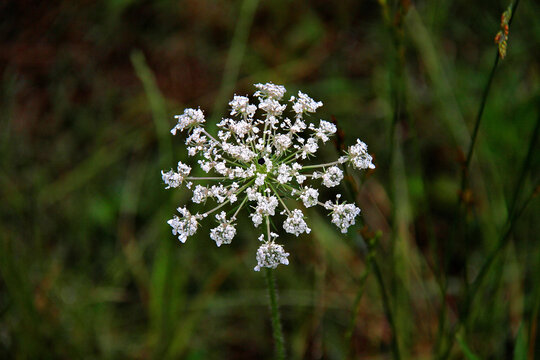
444,265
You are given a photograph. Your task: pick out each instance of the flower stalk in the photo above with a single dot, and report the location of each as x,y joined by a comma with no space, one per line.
277,331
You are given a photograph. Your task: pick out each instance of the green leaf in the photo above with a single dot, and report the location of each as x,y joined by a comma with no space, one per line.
520,350
466,350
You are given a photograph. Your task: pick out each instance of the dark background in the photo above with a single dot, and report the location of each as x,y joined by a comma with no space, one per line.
89,268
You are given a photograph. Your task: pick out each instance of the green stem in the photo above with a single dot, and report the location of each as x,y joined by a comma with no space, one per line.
194,178
337,162
470,293
526,166
274,311
280,200
512,214
240,207
387,308
465,309
227,201
464,170
360,293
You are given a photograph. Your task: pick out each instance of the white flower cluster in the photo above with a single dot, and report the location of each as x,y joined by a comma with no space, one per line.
256,162
270,254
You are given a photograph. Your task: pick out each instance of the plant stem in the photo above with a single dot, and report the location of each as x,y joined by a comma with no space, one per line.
464,170
470,293
274,311
194,178
465,309
361,287
280,200
387,308
513,215
337,162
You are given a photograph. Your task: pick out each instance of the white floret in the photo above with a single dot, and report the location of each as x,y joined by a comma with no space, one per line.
332,177
304,104
175,179
359,156
343,215
273,108
241,105
270,90
191,118
270,255
200,194
266,206
284,174
224,232
282,143
309,196
309,148
184,226
295,223
171,179
324,131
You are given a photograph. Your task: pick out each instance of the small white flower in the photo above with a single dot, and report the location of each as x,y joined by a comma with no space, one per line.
309,148
184,226
304,104
241,105
270,255
284,174
273,108
270,90
295,223
200,194
343,215
174,179
332,177
309,196
282,142
189,119
224,232
324,131
359,156
259,181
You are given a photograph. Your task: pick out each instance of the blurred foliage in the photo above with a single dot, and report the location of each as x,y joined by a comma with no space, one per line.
88,266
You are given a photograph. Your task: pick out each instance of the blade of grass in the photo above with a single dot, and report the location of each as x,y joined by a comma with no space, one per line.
520,347
22,297
512,214
185,326
128,210
360,292
157,105
234,59
450,110
466,350
100,159
164,303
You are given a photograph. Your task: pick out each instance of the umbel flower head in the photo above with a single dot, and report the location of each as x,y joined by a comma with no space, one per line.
259,157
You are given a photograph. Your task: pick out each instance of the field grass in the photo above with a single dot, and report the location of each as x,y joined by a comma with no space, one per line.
445,262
